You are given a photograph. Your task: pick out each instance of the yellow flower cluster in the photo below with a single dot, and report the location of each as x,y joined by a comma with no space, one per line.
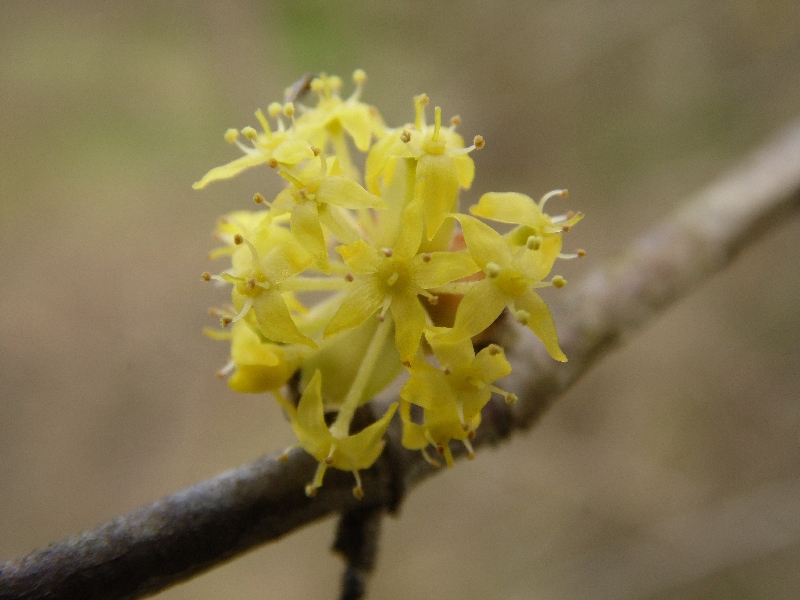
336,285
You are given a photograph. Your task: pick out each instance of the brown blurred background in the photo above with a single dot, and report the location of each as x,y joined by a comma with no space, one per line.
670,472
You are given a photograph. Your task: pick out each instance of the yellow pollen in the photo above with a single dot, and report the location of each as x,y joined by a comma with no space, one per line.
405,137
288,109
274,109
231,135
249,133
479,142
511,398
273,164
533,243
558,281
359,76
522,316
492,270
494,350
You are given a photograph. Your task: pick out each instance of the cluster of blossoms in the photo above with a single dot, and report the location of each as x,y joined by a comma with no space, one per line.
342,282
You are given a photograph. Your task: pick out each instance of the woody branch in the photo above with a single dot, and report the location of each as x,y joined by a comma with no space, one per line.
197,528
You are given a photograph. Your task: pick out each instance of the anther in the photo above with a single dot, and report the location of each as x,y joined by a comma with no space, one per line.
259,199
335,82
511,398
219,374
381,317
479,142
349,278
564,193
317,85
225,321
570,214
440,449
580,252
558,281
251,283
238,239
471,435
455,120
272,163
405,137
447,371
522,317
494,350
407,363
534,242
288,109
387,252
358,492
206,276
492,270
311,491
284,456
231,135
433,300
426,257
315,150
566,228
359,76
328,460
249,133
274,109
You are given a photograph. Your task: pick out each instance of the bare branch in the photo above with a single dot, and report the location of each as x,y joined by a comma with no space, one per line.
191,531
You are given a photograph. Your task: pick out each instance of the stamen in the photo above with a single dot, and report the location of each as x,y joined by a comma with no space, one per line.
387,252
478,141
470,451
405,137
558,281
274,109
494,350
547,196
358,491
206,276
522,317
272,163
455,120
328,460
426,257
511,398
259,199
229,366
349,278
250,133
359,77
580,252
288,110
420,102
431,461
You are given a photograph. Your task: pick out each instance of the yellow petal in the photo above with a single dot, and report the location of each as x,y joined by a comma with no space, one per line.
484,243
357,307
360,451
451,354
479,308
292,151
510,207
413,433
409,322
356,120
360,257
285,261
466,170
541,322
437,187
341,191
232,169
308,422
437,268
308,231
490,364
248,349
426,387
275,321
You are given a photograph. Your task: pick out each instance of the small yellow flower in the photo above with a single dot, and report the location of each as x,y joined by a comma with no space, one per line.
452,395
510,280
259,365
317,196
257,279
442,165
350,453
281,146
392,279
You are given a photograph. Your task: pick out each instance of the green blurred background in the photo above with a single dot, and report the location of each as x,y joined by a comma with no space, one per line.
670,472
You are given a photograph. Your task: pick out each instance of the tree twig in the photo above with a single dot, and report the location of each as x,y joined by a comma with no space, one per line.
188,532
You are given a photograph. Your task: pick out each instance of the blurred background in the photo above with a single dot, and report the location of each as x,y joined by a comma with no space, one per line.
670,472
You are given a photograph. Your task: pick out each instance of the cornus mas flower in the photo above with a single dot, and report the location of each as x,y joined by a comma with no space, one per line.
335,284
